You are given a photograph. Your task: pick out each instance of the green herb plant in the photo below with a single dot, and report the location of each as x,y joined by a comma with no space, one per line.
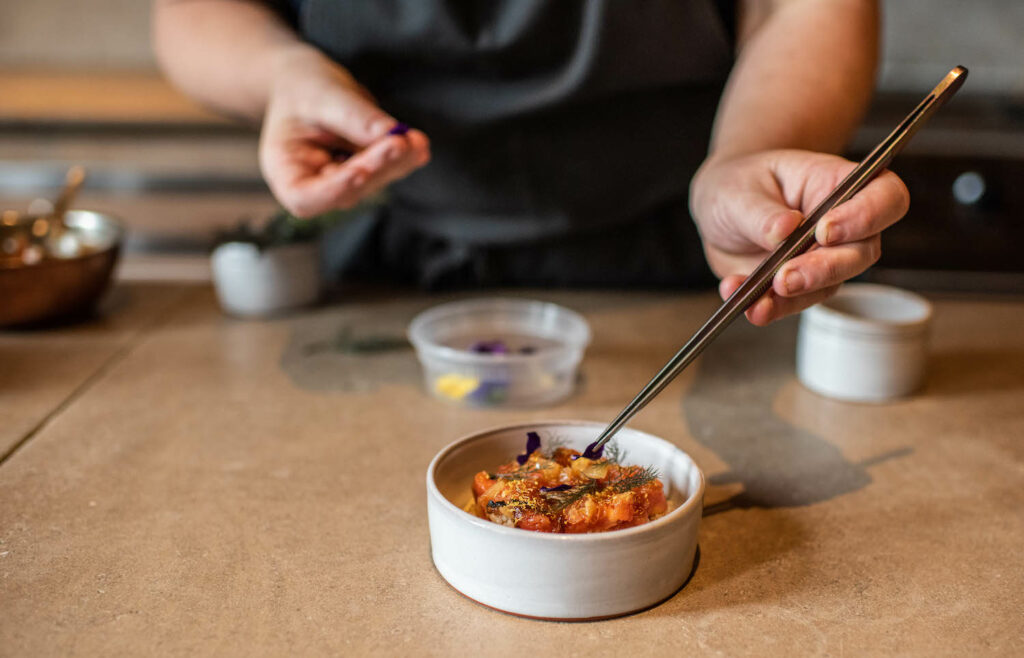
283,228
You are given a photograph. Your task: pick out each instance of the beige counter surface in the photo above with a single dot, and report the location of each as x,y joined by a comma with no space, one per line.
178,483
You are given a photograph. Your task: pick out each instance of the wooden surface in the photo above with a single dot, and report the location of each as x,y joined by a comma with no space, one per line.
188,484
115,97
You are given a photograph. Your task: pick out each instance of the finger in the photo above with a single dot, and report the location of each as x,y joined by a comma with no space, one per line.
751,222
419,144
392,158
414,161
339,186
771,307
311,185
728,285
881,203
351,115
826,266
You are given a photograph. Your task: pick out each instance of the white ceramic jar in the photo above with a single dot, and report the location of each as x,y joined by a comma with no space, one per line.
254,283
868,343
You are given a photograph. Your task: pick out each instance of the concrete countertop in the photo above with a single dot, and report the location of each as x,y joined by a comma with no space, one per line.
177,482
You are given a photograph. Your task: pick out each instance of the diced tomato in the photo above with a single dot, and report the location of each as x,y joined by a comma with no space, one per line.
535,521
620,508
481,483
656,502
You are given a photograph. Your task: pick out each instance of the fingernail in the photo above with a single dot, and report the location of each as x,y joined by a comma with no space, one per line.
391,154
380,127
793,281
834,234
399,129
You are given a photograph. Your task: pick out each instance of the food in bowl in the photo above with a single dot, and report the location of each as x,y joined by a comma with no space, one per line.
554,573
559,490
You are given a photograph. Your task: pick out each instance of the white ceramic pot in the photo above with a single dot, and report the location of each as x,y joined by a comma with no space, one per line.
868,343
562,576
254,283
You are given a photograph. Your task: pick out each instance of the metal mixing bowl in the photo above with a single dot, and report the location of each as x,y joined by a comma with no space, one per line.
60,288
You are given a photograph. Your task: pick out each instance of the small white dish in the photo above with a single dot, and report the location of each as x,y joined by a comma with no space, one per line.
867,343
544,341
562,576
251,282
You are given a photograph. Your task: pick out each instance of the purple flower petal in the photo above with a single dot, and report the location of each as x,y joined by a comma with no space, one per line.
592,453
490,392
399,129
532,444
489,347
561,487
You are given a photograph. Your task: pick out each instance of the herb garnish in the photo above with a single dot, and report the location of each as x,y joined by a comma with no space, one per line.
562,499
614,453
638,479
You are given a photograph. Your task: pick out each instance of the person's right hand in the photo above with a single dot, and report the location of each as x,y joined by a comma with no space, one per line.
317,113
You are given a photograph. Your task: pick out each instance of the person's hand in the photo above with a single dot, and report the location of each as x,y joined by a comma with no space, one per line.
745,206
325,144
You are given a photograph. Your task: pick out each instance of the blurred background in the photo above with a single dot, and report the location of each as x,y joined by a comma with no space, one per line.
78,84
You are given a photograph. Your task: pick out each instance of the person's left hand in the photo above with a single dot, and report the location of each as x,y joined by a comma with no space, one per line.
746,205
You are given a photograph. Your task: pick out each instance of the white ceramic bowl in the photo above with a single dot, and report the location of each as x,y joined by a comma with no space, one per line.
560,576
868,343
253,283
555,335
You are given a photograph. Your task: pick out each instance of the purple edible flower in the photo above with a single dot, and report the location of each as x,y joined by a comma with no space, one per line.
532,444
399,129
593,452
489,347
490,392
561,487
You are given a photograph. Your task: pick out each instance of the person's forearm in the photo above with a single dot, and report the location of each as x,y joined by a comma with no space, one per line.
222,52
803,79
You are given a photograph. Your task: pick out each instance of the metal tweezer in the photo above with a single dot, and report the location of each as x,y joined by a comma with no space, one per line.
802,239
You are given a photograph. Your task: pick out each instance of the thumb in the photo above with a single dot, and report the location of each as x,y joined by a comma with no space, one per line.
354,117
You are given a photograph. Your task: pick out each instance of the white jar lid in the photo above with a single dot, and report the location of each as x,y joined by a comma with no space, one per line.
872,310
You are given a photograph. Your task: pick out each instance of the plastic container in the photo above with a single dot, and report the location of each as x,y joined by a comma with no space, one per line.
562,576
868,343
545,344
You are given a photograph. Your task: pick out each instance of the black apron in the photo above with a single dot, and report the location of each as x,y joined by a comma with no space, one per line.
564,136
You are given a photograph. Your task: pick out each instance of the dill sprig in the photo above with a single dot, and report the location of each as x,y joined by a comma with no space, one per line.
638,479
515,475
561,499
614,453
553,442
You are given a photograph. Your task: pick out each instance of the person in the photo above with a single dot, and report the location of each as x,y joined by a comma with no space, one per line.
555,143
